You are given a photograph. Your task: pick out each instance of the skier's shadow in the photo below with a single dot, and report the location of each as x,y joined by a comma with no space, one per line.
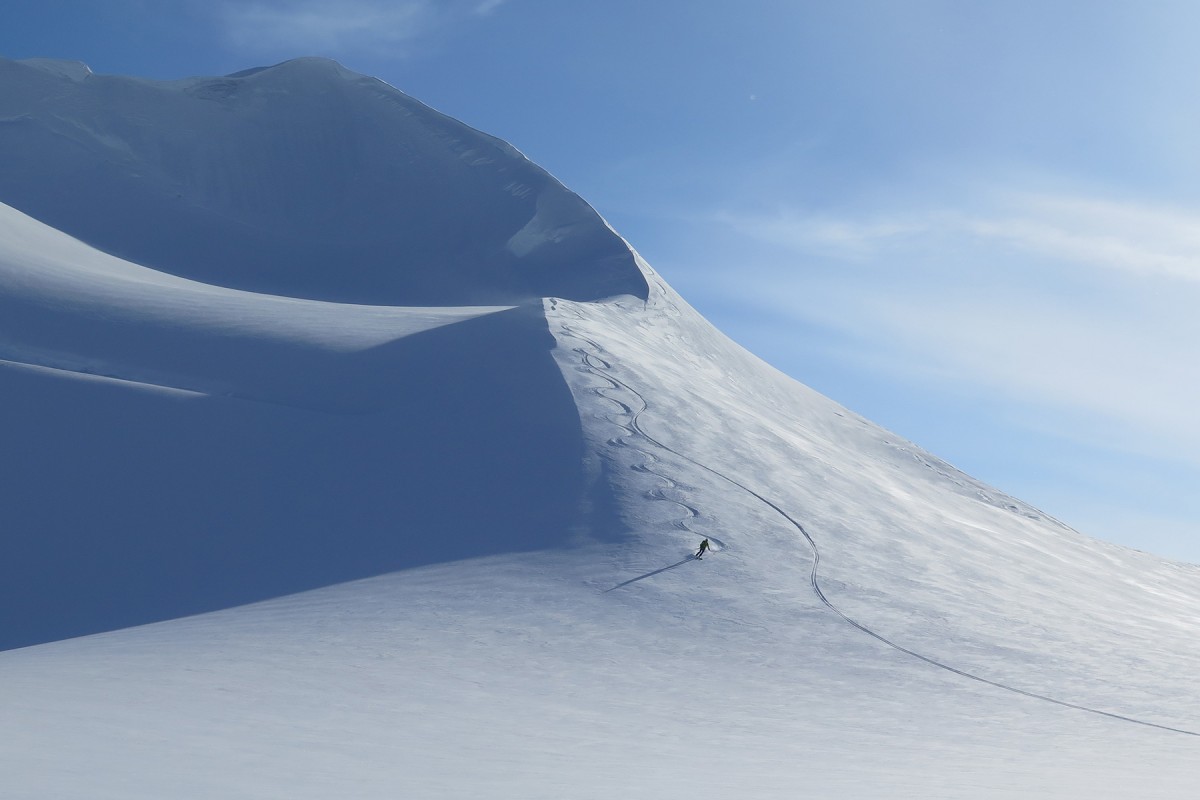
652,574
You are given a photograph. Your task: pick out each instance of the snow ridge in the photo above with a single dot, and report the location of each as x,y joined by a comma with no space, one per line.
301,179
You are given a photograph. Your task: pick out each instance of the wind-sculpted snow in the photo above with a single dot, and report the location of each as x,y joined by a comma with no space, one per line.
175,447
302,179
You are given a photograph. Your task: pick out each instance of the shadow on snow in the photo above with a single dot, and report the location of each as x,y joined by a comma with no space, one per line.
652,574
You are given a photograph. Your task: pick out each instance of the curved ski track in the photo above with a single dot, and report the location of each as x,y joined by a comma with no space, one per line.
602,369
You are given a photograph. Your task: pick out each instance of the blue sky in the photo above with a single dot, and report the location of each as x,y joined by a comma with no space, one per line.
976,223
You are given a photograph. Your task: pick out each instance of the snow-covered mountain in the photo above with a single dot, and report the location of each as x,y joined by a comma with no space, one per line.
424,448
303,179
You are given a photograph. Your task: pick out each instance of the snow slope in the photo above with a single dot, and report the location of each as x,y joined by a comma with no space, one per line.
178,447
469,527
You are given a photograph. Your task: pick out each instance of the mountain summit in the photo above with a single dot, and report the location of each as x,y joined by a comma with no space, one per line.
301,179
406,456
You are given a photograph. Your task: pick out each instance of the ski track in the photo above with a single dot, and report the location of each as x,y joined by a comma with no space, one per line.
601,368
594,365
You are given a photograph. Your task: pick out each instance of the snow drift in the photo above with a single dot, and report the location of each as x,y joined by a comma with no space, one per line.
187,445
177,447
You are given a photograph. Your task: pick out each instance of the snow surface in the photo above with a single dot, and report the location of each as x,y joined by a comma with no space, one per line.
469,527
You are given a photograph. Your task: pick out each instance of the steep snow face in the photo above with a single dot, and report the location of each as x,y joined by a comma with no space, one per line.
802,497
301,179
160,368
176,447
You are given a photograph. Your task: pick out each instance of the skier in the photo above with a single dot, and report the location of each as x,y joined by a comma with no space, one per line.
703,548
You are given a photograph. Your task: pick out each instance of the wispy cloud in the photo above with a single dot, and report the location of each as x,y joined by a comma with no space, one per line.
847,238
330,27
1146,240
1078,310
1149,241
485,7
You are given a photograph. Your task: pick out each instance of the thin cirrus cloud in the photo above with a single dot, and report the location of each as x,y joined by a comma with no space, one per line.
378,27
1149,241
1072,308
820,234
